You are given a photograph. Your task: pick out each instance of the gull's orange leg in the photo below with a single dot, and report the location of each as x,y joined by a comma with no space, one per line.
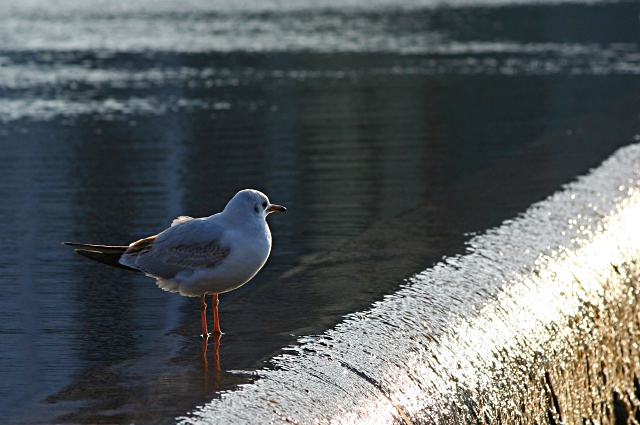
203,315
216,321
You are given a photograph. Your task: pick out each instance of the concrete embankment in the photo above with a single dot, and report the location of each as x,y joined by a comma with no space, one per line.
539,322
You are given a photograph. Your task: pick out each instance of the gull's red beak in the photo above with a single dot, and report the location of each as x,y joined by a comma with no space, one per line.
276,208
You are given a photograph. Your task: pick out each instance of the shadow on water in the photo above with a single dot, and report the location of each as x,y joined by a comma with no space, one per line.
386,162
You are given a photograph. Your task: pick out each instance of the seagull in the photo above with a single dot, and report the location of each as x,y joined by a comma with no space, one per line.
200,256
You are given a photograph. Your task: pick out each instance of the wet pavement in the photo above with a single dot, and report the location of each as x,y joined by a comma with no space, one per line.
391,134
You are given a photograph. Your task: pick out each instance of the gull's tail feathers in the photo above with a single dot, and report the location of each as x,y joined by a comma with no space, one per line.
106,254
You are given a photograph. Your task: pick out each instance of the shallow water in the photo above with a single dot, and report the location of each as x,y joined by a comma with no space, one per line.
391,134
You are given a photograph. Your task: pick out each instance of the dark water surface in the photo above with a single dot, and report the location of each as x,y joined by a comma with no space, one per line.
390,133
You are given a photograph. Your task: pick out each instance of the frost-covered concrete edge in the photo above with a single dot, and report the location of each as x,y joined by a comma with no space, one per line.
537,323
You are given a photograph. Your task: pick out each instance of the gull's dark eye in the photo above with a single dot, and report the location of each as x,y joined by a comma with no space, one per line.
264,205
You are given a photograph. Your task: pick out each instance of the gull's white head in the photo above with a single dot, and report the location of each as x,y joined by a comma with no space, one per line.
253,203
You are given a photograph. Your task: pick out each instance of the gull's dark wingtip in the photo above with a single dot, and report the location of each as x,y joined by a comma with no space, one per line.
108,258
111,249
105,254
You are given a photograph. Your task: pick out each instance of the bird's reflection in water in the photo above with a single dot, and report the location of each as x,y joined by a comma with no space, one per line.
216,352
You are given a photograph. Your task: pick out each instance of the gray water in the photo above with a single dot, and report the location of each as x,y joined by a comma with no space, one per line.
391,133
